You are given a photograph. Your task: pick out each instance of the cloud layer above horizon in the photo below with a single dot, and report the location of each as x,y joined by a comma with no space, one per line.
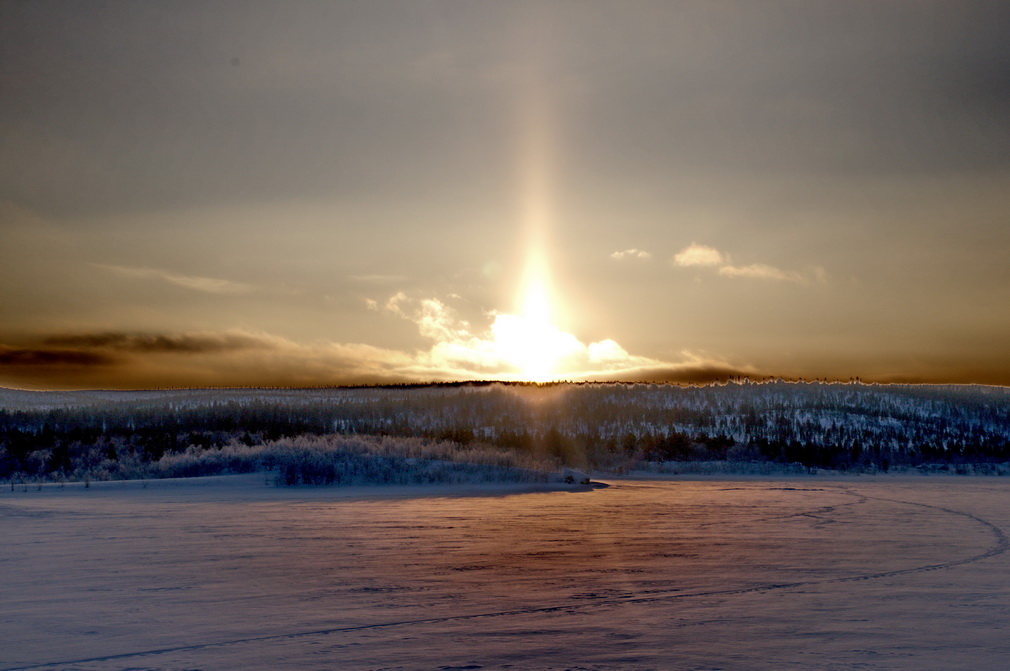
457,351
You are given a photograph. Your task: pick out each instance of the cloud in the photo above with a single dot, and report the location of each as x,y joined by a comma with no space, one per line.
377,279
685,373
233,358
394,302
703,255
699,255
27,358
631,254
513,346
762,271
210,285
186,343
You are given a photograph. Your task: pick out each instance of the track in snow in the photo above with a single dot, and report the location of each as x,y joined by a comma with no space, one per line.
1000,546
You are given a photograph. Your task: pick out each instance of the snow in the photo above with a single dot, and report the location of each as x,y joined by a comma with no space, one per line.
688,573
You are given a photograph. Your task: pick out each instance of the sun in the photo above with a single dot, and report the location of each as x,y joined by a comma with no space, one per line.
523,342
528,342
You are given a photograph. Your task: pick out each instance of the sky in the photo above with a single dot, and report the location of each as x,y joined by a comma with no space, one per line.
302,193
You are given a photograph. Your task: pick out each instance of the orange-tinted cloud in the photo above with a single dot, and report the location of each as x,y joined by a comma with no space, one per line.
639,254
762,271
210,285
696,255
232,358
498,351
48,358
145,342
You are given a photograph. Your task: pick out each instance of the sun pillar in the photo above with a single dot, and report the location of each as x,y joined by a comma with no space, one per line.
535,294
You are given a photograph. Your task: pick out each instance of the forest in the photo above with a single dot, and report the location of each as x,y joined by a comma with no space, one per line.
502,431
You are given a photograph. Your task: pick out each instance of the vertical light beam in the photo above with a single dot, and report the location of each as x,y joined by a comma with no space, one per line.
528,339
536,171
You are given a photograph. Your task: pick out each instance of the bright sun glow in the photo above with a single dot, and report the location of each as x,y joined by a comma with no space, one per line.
532,346
528,341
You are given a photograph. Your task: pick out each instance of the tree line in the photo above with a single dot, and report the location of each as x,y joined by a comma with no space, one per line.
818,425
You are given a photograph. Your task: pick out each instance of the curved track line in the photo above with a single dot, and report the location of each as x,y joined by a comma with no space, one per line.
1001,546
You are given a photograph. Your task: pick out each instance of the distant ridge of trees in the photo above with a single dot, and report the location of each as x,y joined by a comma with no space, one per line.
817,425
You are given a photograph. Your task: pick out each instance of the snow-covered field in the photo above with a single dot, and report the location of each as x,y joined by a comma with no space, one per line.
744,573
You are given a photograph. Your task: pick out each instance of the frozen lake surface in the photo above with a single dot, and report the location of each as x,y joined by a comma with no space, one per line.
230,573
